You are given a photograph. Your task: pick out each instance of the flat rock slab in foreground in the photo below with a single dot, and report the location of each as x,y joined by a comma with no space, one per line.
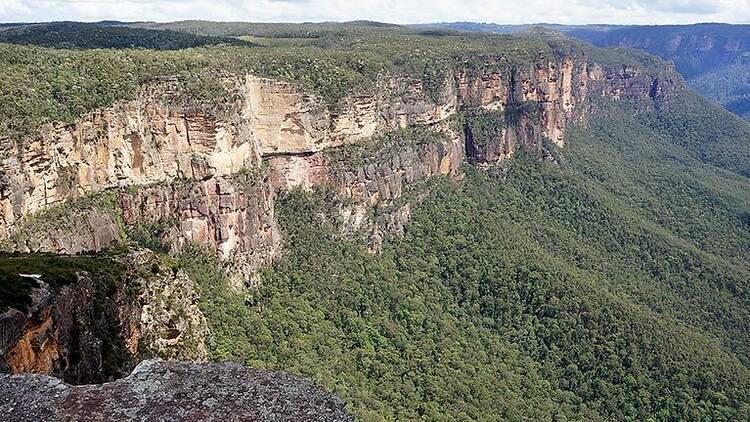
172,391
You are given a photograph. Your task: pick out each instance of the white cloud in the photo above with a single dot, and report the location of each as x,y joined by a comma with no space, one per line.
397,11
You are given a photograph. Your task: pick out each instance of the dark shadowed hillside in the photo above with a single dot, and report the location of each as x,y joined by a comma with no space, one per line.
84,35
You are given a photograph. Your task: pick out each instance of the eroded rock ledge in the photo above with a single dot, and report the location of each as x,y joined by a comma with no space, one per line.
172,391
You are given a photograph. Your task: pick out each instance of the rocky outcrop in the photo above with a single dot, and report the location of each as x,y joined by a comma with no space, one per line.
89,223
98,325
286,120
372,179
172,391
65,332
553,88
529,106
232,215
137,142
161,318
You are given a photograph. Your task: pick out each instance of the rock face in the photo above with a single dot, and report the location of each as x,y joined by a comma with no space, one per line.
713,58
172,391
288,121
537,104
232,215
156,172
138,142
96,327
210,178
63,333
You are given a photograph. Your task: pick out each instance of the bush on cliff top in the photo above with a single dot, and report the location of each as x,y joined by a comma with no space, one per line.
56,270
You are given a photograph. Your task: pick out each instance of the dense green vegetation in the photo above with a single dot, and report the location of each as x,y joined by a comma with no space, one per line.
85,35
612,287
57,271
729,85
266,29
715,138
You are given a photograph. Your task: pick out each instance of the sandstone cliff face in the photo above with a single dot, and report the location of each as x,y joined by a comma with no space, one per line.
185,162
188,175
138,142
370,179
554,88
537,104
232,215
286,120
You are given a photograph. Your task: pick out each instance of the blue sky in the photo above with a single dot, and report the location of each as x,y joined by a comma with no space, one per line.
396,11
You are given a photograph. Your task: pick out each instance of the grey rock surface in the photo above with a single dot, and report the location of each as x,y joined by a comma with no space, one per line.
172,391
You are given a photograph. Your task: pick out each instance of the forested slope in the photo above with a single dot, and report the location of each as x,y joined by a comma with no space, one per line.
611,286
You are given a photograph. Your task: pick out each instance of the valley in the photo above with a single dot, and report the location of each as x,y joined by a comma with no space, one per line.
428,225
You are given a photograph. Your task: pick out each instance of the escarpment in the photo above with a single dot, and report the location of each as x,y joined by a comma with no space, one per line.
193,175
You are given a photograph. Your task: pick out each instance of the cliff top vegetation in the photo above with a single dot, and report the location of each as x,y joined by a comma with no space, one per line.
43,83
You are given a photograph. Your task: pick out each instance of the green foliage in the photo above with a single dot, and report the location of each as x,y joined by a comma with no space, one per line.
57,271
486,126
43,85
716,138
84,35
611,288
231,321
614,287
148,235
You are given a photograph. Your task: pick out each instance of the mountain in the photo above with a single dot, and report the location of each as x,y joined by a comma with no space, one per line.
428,224
714,58
513,29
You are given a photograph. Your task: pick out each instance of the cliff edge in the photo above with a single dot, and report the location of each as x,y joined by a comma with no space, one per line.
172,391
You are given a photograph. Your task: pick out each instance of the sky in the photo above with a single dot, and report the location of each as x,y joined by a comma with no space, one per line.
395,11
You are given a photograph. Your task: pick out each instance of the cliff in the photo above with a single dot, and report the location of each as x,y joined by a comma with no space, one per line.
172,391
197,175
713,58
